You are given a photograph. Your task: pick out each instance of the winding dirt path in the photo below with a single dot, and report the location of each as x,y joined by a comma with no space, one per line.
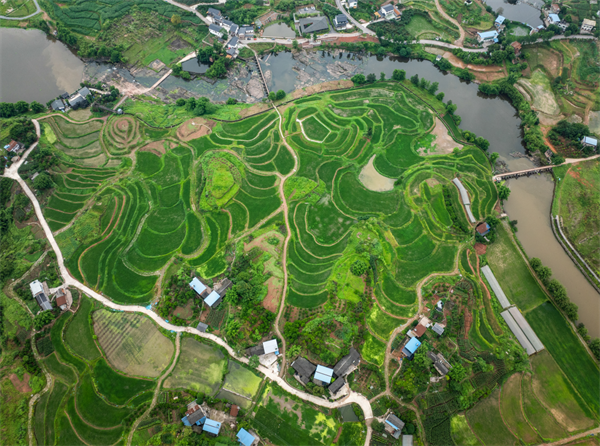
157,391
460,40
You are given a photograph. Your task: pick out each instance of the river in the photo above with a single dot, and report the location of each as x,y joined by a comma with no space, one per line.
35,67
529,203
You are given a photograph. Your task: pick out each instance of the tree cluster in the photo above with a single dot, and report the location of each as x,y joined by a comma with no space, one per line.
9,110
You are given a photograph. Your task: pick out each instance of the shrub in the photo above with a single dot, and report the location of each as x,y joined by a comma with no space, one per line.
359,267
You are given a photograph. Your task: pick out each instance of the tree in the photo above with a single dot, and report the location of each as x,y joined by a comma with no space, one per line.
535,263
217,70
359,267
272,96
482,143
204,54
440,96
190,104
42,319
399,75
493,157
176,19
595,348
557,159
295,45
180,102
358,79
544,273
293,351
43,181
280,95
371,78
433,87
254,362
415,80
503,192
21,107
457,373
382,76
424,83
571,310
232,101
36,107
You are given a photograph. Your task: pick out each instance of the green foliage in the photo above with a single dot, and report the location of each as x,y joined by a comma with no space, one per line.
359,267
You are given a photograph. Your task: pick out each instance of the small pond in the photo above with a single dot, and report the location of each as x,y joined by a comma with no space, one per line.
519,12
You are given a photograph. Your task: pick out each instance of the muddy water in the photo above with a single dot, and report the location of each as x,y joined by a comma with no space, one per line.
373,180
529,203
35,67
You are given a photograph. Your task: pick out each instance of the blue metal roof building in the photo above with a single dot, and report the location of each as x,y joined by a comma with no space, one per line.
500,20
197,286
211,426
411,347
323,374
488,35
212,299
245,438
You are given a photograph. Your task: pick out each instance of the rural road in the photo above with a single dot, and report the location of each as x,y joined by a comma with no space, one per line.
353,397
352,19
461,39
37,11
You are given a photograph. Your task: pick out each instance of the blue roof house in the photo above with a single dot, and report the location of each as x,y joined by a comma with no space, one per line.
245,438
487,36
589,141
324,374
213,299
499,20
553,19
411,347
211,426
197,286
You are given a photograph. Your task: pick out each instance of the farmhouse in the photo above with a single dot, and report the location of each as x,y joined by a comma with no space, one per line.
264,349
304,370
483,229
323,375
194,415
437,328
394,425
199,287
84,92
235,410
340,21
440,363
336,385
227,24
213,300
40,292
499,23
214,13
222,286
419,330
57,105
411,347
310,25
246,32
233,43
215,30
407,440
347,364
234,30
63,299
353,3
588,26
246,438
13,146
388,12
211,426
487,36
202,327
588,141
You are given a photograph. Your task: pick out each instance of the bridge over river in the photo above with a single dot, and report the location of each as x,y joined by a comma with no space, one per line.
534,170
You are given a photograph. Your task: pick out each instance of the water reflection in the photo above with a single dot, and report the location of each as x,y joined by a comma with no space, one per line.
35,67
520,12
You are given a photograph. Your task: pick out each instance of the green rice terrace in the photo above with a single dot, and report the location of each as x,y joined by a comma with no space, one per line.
337,221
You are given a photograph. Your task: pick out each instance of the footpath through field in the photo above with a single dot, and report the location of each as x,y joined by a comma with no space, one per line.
353,397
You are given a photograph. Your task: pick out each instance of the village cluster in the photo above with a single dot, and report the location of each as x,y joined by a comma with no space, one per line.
550,18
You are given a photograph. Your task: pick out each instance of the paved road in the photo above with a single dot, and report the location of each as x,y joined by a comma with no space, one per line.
37,11
461,39
353,397
191,9
353,20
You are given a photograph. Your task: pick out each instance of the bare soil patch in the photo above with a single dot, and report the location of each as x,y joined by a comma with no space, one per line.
157,147
271,302
21,386
195,128
443,143
373,180
319,88
255,109
480,249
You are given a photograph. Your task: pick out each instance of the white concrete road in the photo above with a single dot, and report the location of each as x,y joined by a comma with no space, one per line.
353,20
68,280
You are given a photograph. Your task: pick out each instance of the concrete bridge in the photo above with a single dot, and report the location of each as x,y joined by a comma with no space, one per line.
534,170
